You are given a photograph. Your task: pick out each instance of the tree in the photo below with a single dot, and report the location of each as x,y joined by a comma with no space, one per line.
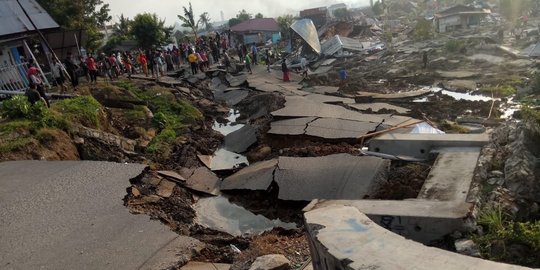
377,8
259,16
240,17
149,30
243,15
188,20
205,19
121,32
87,15
284,23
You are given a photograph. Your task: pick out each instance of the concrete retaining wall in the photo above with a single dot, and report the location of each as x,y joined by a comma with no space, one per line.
341,237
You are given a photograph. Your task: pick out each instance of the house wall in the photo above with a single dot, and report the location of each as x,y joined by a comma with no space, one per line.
250,38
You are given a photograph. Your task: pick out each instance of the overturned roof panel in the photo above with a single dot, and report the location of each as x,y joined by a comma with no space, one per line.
306,29
338,43
13,20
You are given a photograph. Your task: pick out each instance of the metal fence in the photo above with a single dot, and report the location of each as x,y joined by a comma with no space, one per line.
13,78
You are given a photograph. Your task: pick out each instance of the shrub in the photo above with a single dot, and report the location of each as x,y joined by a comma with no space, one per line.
84,110
454,45
16,107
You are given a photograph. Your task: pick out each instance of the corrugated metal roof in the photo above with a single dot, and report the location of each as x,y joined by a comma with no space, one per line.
13,21
306,29
263,24
337,43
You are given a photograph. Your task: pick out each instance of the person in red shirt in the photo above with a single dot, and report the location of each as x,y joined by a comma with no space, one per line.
144,63
92,68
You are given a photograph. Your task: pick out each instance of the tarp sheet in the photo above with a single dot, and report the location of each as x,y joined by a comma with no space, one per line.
306,29
425,128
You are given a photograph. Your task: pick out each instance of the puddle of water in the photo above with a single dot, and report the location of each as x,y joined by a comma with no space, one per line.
229,127
510,108
455,95
226,160
219,214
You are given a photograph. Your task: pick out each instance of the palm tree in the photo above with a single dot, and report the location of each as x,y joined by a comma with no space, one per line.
189,21
205,19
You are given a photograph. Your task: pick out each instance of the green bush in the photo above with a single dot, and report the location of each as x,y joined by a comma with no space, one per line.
454,45
84,110
16,107
161,145
423,30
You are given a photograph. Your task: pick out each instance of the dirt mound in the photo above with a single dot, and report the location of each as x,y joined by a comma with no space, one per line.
49,144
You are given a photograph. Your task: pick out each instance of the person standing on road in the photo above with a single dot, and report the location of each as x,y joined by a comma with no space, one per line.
33,95
254,52
72,68
285,71
144,63
92,68
425,59
58,73
304,66
192,59
248,63
267,60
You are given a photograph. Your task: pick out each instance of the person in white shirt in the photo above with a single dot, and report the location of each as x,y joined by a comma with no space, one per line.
58,73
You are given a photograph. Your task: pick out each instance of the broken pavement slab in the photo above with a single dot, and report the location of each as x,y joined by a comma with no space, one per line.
223,160
376,107
231,97
340,176
258,176
329,128
401,95
204,180
461,74
240,140
205,266
72,217
173,176
296,126
165,188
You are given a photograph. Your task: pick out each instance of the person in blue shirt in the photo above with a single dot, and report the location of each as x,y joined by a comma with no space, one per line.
254,52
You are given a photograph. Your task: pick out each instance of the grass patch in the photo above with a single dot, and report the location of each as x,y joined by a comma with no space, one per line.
504,90
454,45
171,116
502,233
15,144
449,127
84,110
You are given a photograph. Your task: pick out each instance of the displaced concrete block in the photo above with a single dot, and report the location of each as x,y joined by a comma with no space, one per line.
271,262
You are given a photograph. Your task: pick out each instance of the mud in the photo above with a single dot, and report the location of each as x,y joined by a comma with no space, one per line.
405,180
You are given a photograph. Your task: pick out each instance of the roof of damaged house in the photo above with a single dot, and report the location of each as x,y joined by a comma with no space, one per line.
313,12
460,9
14,21
264,24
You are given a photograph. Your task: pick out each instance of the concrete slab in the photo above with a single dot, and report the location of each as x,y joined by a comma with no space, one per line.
340,176
461,74
239,141
205,266
329,128
420,145
296,106
419,220
70,215
258,176
231,97
236,81
339,234
408,94
451,176
204,180
173,176
376,107
295,126
329,99
319,89
223,159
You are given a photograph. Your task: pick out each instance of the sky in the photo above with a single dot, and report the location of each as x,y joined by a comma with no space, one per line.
168,9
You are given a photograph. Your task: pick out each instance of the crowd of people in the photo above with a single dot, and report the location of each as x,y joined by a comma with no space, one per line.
155,63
